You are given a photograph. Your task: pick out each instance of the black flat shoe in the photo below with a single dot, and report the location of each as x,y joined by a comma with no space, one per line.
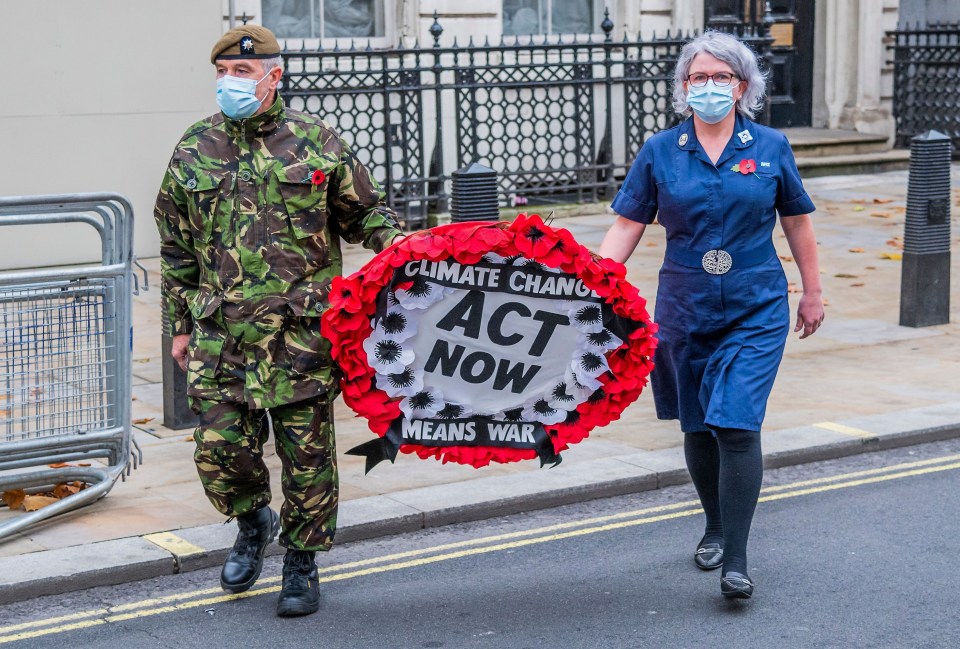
709,556
735,585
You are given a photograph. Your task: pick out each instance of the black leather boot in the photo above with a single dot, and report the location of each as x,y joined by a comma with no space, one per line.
243,564
300,594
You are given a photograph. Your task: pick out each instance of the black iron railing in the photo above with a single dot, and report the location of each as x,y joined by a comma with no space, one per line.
559,119
926,85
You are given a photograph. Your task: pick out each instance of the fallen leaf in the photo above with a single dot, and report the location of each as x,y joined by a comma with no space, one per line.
4,413
59,465
64,490
858,208
845,276
188,438
857,200
856,249
651,244
33,503
143,420
881,201
13,498
895,256
793,288
786,257
895,243
880,215
857,284
826,302
870,267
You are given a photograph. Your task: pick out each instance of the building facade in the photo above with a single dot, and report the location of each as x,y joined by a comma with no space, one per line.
112,84
830,55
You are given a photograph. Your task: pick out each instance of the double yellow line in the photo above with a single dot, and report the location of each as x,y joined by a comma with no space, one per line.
461,549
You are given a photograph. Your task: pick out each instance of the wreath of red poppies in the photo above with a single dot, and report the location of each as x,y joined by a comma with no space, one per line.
353,304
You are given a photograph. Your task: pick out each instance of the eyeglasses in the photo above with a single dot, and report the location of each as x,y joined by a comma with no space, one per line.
699,79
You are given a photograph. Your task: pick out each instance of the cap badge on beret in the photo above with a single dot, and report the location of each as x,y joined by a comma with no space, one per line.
246,45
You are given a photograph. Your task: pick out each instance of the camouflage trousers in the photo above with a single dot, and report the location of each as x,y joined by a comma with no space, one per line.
229,459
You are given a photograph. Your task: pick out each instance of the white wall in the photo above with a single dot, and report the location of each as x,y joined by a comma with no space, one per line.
97,93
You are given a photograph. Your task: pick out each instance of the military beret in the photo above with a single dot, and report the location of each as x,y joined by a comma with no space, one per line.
246,42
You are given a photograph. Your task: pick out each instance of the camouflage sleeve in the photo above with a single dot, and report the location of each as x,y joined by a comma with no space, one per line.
356,202
179,269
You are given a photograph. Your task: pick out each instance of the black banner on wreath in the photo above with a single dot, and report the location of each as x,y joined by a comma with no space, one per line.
458,432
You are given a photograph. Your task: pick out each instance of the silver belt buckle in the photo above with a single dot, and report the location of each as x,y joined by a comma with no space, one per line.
716,262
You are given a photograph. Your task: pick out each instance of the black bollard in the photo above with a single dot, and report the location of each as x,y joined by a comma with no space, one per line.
925,275
475,195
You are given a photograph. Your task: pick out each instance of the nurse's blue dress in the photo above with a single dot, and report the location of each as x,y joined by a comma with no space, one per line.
721,336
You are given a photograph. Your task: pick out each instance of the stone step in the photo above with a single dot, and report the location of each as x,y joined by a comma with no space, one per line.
813,142
863,163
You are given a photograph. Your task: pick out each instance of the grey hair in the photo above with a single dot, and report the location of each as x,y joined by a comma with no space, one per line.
271,63
734,53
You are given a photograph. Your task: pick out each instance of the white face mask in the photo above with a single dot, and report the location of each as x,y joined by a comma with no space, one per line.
237,97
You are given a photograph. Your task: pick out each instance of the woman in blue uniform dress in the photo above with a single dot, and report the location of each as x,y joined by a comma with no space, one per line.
716,183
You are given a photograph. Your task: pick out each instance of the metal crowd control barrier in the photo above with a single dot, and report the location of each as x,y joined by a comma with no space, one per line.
65,368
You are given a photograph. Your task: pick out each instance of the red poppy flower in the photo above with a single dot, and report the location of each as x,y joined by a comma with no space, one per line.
532,238
432,248
381,267
747,166
318,177
345,294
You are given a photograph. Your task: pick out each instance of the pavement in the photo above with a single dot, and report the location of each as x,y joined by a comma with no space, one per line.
862,383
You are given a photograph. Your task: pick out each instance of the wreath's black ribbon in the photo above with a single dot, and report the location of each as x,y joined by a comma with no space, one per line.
619,326
386,448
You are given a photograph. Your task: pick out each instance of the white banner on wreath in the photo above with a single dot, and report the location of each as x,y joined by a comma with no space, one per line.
509,356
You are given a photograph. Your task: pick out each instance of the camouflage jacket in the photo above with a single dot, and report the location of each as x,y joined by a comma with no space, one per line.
250,215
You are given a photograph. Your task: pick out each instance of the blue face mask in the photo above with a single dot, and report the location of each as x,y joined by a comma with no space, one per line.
237,97
710,102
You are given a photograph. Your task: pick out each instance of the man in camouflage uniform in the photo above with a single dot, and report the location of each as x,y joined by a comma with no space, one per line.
251,212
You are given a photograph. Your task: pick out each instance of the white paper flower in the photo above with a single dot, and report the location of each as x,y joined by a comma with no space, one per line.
576,388
405,383
587,318
385,354
510,414
420,295
493,258
587,366
598,341
563,396
397,324
453,411
422,405
538,409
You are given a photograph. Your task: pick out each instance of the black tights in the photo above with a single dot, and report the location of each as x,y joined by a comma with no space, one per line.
727,471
